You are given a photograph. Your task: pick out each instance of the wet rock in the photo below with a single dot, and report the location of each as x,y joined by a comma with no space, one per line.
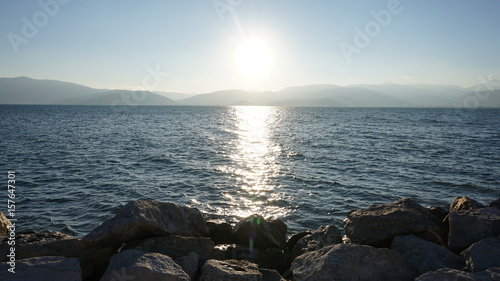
257,232
189,264
424,256
231,270
470,226
221,233
174,246
464,203
483,254
292,241
377,225
43,269
351,262
148,218
446,274
271,258
495,204
139,265
4,225
324,236
52,243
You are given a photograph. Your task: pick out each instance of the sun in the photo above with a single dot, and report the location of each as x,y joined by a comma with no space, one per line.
254,58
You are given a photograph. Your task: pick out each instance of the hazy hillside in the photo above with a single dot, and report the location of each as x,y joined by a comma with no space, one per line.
174,96
24,90
230,97
121,97
386,95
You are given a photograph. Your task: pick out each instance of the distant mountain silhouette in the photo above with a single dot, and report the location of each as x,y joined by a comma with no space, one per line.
24,90
121,97
173,95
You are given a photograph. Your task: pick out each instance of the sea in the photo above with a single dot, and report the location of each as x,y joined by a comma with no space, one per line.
75,166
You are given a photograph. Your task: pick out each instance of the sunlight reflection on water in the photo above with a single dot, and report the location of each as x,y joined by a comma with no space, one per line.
254,163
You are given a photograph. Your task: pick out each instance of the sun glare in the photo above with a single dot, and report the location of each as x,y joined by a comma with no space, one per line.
254,58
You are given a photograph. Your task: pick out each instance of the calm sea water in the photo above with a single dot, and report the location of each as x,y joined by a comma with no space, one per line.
75,165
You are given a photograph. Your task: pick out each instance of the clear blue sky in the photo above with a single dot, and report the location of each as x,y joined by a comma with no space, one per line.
112,44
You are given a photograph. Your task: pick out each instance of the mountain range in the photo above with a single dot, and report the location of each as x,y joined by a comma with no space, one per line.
24,90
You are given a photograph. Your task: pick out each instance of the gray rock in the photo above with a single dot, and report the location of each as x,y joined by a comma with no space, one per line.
271,258
270,275
464,203
446,274
440,212
351,262
470,226
483,254
325,235
52,243
230,270
221,233
292,241
139,265
495,204
189,264
174,246
43,269
424,256
4,225
377,225
148,218
270,233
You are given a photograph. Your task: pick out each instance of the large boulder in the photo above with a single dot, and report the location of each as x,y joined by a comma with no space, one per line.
139,265
495,204
292,241
424,256
447,274
351,262
377,225
148,218
174,246
43,269
440,212
221,233
4,225
258,232
230,270
324,236
470,226
52,243
270,275
483,254
271,258
190,264
464,203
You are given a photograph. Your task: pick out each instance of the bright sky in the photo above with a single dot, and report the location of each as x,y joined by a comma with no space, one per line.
200,46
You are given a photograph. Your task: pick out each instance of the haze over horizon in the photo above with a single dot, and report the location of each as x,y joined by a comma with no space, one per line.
206,46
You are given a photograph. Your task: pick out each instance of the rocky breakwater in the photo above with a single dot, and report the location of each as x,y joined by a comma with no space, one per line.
150,240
